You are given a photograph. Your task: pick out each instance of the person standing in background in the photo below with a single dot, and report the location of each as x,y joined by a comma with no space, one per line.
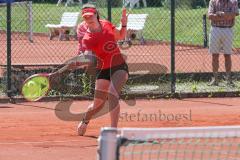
222,14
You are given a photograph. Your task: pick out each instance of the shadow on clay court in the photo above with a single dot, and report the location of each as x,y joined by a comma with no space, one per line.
35,106
200,101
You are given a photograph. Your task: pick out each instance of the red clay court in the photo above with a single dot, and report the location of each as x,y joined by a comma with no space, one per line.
154,57
32,130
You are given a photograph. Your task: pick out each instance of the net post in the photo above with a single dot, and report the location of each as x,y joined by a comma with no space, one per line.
108,144
30,20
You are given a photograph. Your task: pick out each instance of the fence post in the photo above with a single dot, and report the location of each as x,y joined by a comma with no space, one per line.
109,5
9,87
205,38
30,20
173,76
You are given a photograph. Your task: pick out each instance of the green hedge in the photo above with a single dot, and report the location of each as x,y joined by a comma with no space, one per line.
191,4
155,3
198,3
151,3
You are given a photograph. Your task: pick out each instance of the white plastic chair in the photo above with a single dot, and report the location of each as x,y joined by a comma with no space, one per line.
67,2
135,26
68,22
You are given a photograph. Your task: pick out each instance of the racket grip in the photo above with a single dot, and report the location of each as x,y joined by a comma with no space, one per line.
74,63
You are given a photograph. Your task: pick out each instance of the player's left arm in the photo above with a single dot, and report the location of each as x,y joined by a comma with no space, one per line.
120,34
81,30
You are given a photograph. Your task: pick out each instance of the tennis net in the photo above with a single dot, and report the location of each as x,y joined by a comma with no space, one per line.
182,143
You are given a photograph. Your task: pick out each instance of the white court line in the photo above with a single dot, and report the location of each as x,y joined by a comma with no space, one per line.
37,142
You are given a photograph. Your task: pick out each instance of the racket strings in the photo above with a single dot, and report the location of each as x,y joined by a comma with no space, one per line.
71,82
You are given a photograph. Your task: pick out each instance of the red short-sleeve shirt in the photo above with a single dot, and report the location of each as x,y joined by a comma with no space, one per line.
104,45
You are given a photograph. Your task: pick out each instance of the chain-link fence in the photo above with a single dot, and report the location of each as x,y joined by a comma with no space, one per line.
194,30
157,63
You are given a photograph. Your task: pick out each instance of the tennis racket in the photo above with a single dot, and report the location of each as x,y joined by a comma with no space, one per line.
37,86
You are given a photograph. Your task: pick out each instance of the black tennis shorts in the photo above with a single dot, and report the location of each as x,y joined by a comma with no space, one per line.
107,73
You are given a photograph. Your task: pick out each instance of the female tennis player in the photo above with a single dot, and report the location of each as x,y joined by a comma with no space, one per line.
112,71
